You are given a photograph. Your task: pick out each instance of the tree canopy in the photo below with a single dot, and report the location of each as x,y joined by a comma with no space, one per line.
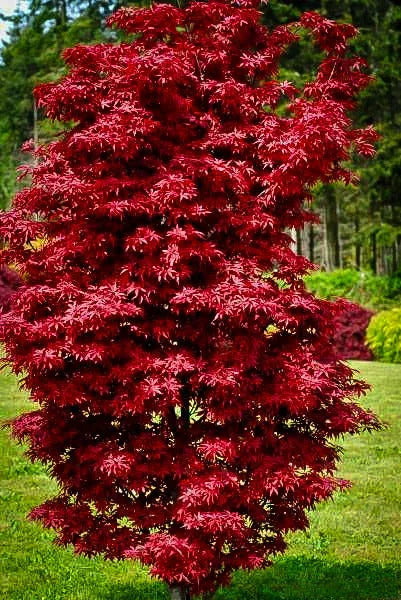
361,226
190,394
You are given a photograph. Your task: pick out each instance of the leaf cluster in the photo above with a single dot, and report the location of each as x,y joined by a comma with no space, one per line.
384,336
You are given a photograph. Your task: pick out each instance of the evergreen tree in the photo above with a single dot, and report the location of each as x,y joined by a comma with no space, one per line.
32,54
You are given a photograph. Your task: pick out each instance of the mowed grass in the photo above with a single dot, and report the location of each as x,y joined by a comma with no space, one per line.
351,552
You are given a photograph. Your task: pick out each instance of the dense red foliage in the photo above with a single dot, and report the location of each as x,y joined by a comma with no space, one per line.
9,282
349,331
188,407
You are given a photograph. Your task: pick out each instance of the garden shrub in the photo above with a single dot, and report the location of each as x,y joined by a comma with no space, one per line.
349,333
394,287
332,285
373,291
384,335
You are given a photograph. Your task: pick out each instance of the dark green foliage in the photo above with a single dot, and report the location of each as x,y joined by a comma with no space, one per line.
32,55
383,336
369,218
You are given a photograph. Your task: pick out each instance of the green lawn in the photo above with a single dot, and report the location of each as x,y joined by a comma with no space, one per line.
351,552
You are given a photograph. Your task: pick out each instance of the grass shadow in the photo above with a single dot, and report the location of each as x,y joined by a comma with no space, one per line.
292,578
126,591
303,578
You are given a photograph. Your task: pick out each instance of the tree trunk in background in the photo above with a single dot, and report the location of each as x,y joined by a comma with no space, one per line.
299,242
35,125
311,243
397,252
357,245
179,593
61,18
332,242
381,260
293,235
373,260
62,11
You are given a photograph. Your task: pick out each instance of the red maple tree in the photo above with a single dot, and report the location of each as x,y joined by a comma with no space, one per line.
349,330
189,396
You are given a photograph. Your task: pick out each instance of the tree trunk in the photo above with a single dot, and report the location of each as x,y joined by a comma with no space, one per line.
381,261
179,593
62,13
293,234
357,245
299,242
373,262
35,126
311,243
332,258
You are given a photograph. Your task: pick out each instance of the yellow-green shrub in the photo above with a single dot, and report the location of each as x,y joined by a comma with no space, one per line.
383,335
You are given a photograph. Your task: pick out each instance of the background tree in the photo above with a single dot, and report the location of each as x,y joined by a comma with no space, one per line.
190,396
31,55
361,227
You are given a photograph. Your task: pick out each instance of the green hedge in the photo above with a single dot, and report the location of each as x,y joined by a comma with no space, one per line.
383,335
375,292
